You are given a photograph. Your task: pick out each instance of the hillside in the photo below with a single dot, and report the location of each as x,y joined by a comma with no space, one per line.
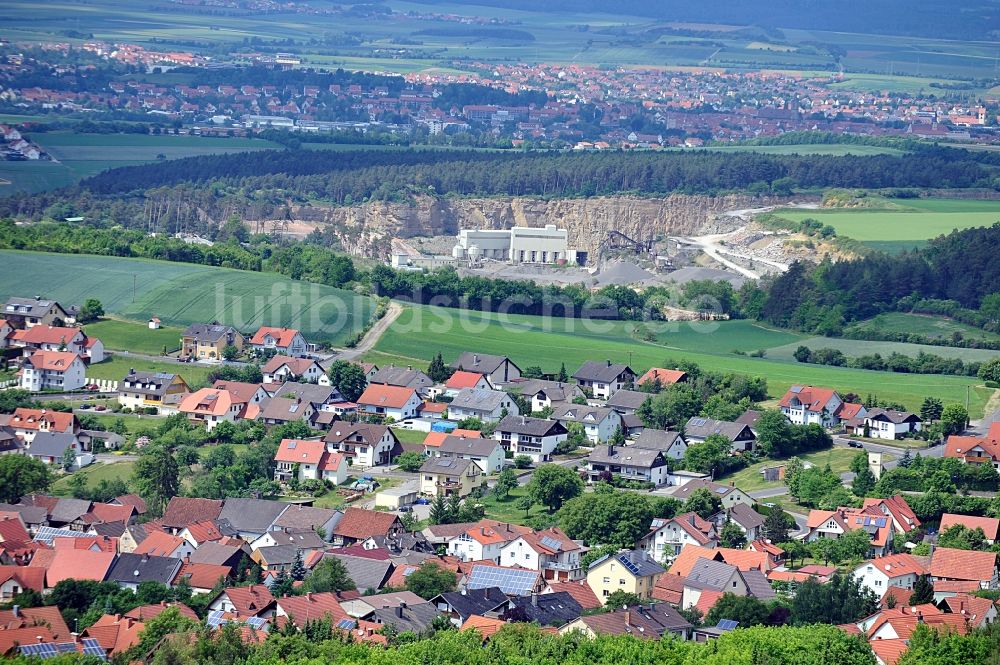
181,294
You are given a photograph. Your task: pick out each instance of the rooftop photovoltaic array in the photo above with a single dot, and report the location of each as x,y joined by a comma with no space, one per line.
510,580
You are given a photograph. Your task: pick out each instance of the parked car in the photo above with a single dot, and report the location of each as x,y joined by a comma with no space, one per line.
422,501
855,444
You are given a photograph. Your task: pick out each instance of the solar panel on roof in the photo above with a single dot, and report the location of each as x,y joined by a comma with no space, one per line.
699,422
91,647
66,647
629,565
346,624
510,580
291,445
47,534
727,624
550,543
796,389
215,618
257,623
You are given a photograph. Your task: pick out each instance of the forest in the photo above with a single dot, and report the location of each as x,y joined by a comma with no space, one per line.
959,268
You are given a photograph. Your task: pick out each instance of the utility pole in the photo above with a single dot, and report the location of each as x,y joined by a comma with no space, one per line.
133,287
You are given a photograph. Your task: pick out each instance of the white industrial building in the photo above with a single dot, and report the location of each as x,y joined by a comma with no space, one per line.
517,245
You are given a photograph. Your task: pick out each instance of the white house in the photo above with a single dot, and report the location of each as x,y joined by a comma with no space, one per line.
393,402
484,540
896,570
52,370
628,463
671,444
365,444
487,405
311,459
288,341
888,424
599,424
486,453
604,379
283,368
551,552
535,437
667,537
805,405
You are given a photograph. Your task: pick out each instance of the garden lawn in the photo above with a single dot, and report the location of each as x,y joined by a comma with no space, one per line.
134,336
507,510
934,327
94,474
117,368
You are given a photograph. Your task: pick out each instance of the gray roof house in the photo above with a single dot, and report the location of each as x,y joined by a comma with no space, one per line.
487,405
366,573
416,618
27,312
252,518
599,423
544,393
130,570
405,377
698,429
671,444
500,369
604,379
627,402
628,462
297,516
49,447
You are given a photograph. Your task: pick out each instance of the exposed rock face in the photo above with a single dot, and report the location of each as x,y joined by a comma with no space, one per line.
366,229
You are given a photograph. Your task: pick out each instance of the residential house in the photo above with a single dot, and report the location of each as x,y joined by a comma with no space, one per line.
160,543
370,370
23,313
650,622
461,380
599,423
5,332
671,444
460,605
358,525
965,566
628,463
314,405
974,450
207,531
275,558
209,340
730,495
280,368
393,402
52,338
535,437
131,570
415,617
488,406
365,444
896,570
435,439
202,577
887,424
543,394
364,607
15,579
26,423
904,520
247,394
151,390
749,521
252,518
989,525
486,453
483,540
182,511
320,520
627,402
221,554
305,540
550,551
447,476
254,600
668,537
741,436
512,581
53,448
579,590
602,380
553,608
835,523
209,407
709,579
500,369
402,377
52,370
312,460
804,405
978,611
633,571
369,571
657,376
286,341
74,564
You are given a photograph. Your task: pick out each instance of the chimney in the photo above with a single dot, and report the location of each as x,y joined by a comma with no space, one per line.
534,598
611,450
920,617
402,604
609,362
475,359
309,596
16,610
409,367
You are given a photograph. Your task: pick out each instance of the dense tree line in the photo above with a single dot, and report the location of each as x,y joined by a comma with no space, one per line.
960,267
922,363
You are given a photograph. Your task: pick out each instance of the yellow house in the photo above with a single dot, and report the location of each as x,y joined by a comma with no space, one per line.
202,340
449,475
631,572
140,390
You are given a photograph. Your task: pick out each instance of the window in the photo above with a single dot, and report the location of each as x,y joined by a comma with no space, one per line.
607,580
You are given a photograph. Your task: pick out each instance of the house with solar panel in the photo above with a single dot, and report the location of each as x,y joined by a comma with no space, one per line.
448,476
550,552
486,405
730,495
835,523
150,390
631,571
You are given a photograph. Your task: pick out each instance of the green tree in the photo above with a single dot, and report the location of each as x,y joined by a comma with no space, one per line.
329,575
794,549
607,516
841,600
437,371
990,370
410,461
955,418
68,459
671,408
960,537
619,599
20,475
563,376
703,502
439,512
748,610
709,456
156,477
853,546
91,311
733,536
931,409
864,482
774,433
298,571
230,352
776,525
348,378
430,580
525,503
219,457
506,481
552,485
923,590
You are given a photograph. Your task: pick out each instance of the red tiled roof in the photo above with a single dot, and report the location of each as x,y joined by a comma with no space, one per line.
888,651
115,633
901,596
241,392
26,576
486,626
960,446
898,509
78,564
53,361
249,600
14,636
13,529
30,419
989,525
666,376
435,439
669,589
106,512
132,500
311,606
159,543
204,531
203,575
298,451
684,562
975,609
707,600
283,336
812,398
48,335
207,401
898,565
462,379
358,523
745,559
955,564
36,616
182,511
393,397
297,366
147,612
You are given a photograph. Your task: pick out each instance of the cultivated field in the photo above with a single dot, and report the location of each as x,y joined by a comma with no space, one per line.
904,223
421,332
181,294
935,327
855,347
